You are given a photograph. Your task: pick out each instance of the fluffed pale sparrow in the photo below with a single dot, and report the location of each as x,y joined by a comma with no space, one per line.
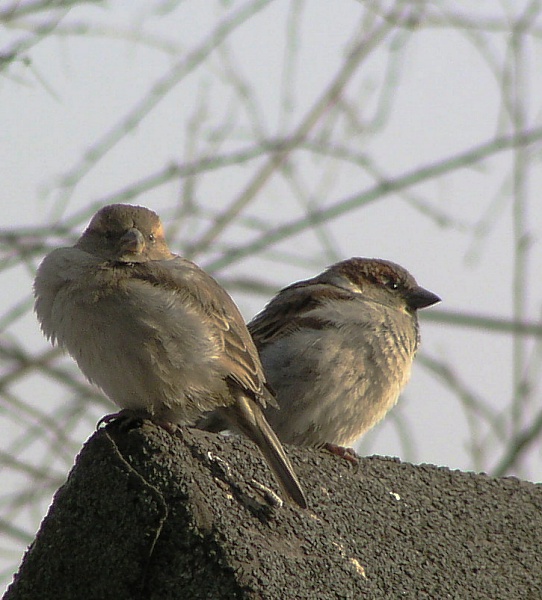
155,332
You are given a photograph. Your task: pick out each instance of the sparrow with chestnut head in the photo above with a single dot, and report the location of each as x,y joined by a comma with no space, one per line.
337,350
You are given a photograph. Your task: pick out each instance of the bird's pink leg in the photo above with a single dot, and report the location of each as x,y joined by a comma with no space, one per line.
348,454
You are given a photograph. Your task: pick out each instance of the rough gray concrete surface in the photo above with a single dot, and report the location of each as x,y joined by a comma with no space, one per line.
145,514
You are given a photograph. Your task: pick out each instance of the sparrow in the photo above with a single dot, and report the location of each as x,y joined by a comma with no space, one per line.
155,332
337,350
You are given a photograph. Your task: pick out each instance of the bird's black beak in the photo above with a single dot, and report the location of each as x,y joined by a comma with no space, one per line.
132,242
421,298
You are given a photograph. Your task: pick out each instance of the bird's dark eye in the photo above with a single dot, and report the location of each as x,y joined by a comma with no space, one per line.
152,237
391,284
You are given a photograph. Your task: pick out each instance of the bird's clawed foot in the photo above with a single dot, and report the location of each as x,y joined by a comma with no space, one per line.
348,454
127,419
124,420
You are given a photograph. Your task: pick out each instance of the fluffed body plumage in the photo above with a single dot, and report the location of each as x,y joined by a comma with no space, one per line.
154,331
337,349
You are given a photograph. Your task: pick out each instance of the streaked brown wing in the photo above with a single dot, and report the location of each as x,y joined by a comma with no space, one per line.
289,309
239,355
